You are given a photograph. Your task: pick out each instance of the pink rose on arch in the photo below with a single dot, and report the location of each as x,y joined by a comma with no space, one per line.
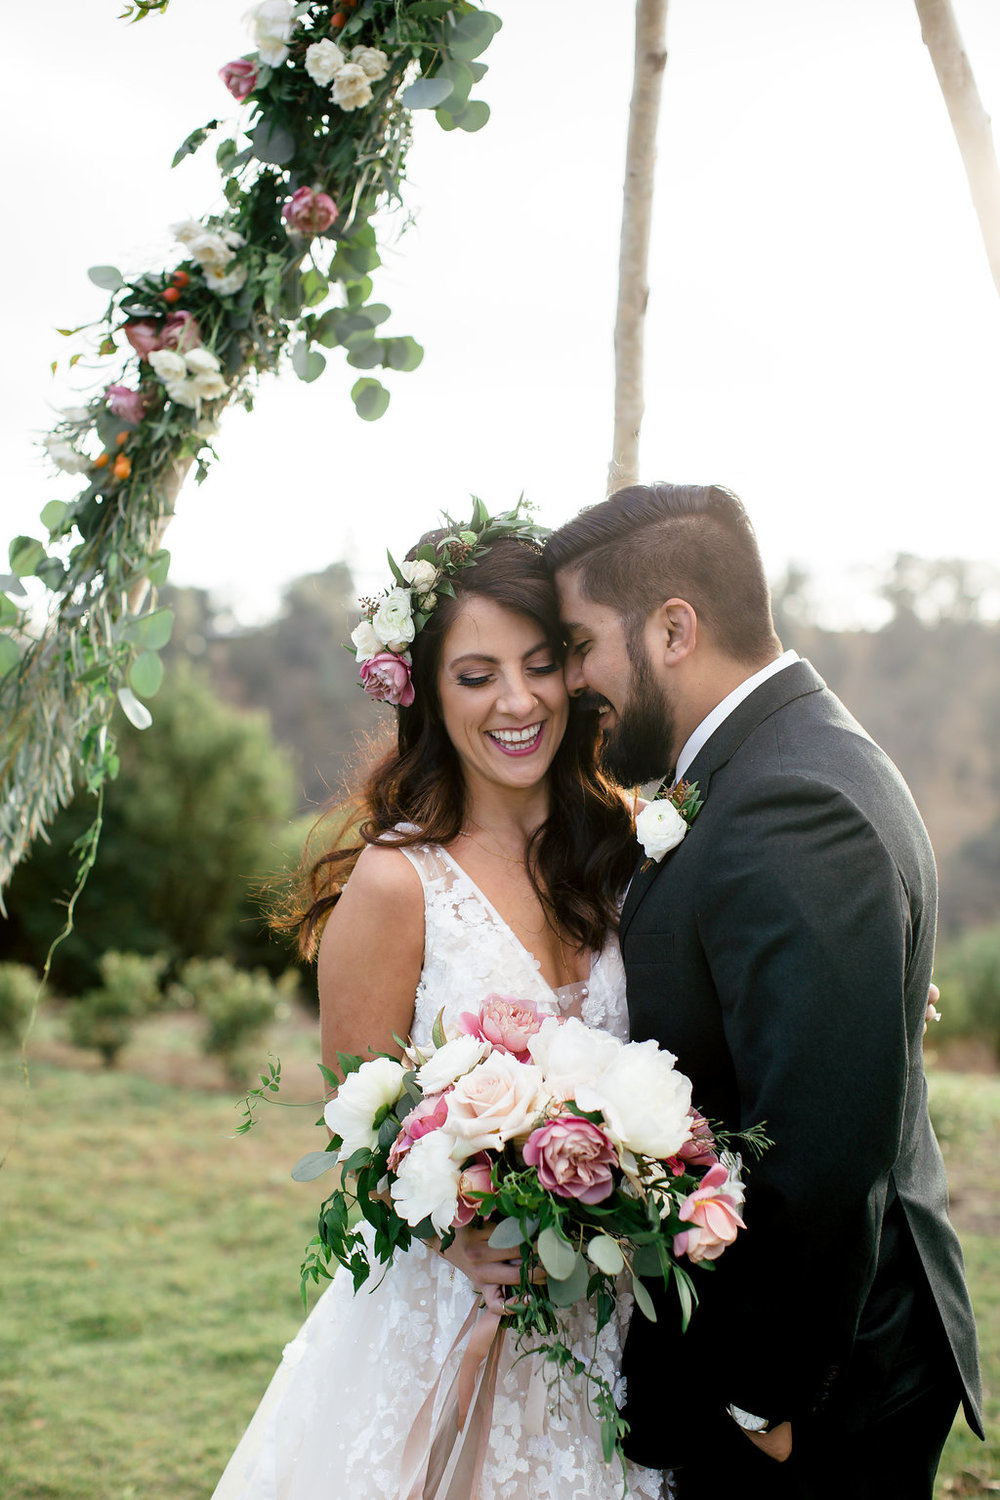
143,336
240,77
475,1178
506,1022
430,1114
386,677
308,212
573,1157
125,403
180,332
713,1215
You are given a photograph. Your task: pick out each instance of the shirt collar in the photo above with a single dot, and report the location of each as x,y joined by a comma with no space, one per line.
721,711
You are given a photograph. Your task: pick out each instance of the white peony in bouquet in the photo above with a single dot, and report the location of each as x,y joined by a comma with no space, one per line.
583,1151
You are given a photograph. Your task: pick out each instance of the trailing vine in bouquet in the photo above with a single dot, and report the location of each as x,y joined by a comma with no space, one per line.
282,273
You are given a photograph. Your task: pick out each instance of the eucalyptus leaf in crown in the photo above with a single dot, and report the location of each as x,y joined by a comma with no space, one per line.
392,620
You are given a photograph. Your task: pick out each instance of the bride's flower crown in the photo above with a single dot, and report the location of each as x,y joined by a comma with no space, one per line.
390,621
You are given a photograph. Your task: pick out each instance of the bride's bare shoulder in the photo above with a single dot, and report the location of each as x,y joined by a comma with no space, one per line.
383,873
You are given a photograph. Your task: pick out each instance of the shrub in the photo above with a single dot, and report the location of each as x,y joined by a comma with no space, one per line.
18,987
237,1006
968,973
103,1019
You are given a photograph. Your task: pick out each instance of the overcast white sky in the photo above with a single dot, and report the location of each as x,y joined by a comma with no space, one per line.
823,332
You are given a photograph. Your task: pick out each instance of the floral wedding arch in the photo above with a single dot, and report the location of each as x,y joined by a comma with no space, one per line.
283,274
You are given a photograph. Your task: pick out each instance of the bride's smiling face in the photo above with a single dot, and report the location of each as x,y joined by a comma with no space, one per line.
503,699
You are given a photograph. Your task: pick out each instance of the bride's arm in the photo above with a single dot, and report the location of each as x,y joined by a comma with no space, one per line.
370,958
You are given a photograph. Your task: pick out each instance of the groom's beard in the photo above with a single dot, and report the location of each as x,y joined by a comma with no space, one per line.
637,748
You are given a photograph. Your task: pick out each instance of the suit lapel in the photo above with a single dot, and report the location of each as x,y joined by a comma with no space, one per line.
784,687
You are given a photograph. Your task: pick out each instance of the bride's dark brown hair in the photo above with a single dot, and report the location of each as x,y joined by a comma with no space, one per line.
582,855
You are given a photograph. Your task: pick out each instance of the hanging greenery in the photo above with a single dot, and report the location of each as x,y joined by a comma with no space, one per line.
283,274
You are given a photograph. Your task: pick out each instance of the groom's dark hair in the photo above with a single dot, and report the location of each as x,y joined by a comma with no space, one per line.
651,542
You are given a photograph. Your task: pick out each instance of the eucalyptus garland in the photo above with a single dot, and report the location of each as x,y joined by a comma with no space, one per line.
284,273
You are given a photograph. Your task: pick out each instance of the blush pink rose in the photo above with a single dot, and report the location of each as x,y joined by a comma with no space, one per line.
506,1022
143,336
125,403
713,1215
308,212
240,77
180,332
430,1114
386,677
475,1178
498,1100
573,1158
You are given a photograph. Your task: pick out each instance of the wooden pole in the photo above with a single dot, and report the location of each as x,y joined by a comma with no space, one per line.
969,119
637,209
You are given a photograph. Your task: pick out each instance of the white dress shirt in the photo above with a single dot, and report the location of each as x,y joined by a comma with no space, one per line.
721,711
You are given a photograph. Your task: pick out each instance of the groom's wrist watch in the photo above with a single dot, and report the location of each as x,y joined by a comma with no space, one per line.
750,1423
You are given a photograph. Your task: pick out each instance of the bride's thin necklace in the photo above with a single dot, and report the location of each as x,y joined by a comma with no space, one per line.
496,853
564,968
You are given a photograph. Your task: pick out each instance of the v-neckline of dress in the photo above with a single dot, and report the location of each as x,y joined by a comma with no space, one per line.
577,989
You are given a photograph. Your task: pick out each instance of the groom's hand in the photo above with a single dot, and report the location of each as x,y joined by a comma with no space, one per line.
777,1443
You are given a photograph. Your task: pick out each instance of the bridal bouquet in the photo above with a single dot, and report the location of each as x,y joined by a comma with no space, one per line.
582,1151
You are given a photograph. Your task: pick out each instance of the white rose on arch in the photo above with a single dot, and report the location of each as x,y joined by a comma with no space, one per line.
351,87
271,24
372,60
324,61
659,828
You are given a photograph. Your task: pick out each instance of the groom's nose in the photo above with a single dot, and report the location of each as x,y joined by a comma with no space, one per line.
573,676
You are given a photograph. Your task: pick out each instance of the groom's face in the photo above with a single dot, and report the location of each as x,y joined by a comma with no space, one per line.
616,674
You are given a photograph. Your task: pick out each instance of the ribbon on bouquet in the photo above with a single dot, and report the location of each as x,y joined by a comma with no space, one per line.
444,1460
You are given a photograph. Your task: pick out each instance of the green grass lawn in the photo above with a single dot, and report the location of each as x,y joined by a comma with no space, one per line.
148,1266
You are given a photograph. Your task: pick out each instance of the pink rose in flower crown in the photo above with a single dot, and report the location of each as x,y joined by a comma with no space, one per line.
573,1157
240,77
125,403
386,677
307,212
180,332
506,1022
430,1114
144,336
474,1178
713,1215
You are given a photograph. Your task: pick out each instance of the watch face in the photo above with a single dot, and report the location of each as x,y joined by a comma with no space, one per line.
748,1421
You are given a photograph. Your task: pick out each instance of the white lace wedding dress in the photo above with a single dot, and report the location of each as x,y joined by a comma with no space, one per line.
336,1415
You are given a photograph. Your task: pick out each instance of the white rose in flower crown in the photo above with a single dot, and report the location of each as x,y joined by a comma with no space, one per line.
373,60
496,1102
365,641
571,1054
659,828
351,88
422,575
351,1111
323,60
393,621
226,285
271,24
426,1184
644,1100
450,1062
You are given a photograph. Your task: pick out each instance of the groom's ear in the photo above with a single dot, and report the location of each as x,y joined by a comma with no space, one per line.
675,626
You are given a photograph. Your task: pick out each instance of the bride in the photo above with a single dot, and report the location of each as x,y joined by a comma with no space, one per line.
494,857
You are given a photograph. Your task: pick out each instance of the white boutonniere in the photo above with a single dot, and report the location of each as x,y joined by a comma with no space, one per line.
665,821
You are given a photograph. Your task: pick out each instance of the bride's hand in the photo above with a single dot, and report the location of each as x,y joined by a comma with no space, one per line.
489,1270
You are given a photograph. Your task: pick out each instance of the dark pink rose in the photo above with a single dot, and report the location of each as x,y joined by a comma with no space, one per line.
506,1022
240,77
387,678
699,1149
430,1114
573,1157
309,213
713,1215
475,1178
125,403
143,336
180,332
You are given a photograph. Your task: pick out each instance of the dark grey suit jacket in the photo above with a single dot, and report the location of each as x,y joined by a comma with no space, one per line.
783,952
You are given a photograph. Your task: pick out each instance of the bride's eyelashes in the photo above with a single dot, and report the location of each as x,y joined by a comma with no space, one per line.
545,670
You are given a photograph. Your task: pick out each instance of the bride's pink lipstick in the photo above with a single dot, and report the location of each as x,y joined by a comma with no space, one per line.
518,747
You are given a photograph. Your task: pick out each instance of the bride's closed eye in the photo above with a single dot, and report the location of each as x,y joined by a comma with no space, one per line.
543,669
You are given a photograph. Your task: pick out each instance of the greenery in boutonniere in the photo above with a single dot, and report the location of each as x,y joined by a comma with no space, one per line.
663,823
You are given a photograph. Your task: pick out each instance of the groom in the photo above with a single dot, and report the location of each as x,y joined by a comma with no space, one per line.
783,951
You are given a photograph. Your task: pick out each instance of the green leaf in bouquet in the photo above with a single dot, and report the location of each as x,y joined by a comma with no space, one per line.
605,1254
565,1290
358,1159
643,1300
646,1261
425,1229
508,1235
349,1063
437,1031
387,1132
313,1165
687,1294
556,1254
